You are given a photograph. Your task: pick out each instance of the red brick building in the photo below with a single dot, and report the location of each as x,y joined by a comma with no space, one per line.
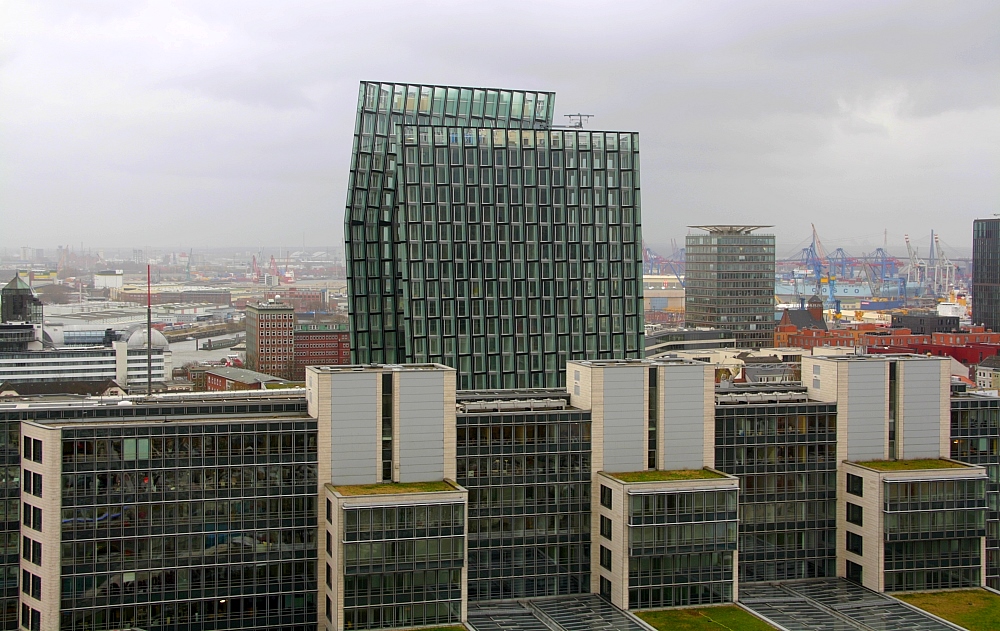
320,344
271,339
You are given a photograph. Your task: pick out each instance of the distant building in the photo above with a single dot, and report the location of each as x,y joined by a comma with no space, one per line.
225,378
18,303
925,322
271,339
320,344
124,361
105,388
988,373
729,283
109,279
660,341
986,273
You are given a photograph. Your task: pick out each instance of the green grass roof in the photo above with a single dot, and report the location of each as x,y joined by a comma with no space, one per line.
390,488
725,618
665,476
910,465
974,609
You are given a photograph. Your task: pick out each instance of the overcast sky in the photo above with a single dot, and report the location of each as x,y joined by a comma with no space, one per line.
188,124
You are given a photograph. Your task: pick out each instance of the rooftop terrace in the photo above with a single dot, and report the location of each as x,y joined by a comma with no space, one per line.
911,465
393,488
672,475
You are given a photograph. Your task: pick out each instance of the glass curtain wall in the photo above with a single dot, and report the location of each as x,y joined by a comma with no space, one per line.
528,476
522,250
786,459
181,527
370,231
975,439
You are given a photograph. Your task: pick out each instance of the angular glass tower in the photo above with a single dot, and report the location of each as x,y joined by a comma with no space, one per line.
480,238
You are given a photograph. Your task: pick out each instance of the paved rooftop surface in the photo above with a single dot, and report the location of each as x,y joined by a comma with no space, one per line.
567,613
834,605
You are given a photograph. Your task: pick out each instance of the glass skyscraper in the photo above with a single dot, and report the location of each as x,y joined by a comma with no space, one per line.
480,238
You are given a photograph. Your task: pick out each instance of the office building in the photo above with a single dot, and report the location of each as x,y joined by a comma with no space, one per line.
169,513
986,273
381,496
271,339
125,362
926,322
480,238
320,344
975,439
279,345
729,283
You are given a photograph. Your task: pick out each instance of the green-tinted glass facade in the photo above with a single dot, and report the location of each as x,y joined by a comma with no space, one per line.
500,252
370,228
729,283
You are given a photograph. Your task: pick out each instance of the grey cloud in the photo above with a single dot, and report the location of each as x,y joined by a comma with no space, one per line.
234,119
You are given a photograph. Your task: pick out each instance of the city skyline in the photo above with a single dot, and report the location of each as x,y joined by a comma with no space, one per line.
756,113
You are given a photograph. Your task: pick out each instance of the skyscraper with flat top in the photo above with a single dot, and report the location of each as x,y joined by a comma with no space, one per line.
729,283
481,238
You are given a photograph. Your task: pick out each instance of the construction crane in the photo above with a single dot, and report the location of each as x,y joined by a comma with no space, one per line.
653,263
916,269
942,270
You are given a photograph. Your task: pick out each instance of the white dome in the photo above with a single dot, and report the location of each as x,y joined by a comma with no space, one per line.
138,339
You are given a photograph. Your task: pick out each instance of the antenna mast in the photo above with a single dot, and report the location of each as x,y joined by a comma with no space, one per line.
577,121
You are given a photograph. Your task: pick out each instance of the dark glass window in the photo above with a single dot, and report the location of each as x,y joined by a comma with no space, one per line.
605,496
605,558
605,527
854,514
853,572
854,543
855,485
605,588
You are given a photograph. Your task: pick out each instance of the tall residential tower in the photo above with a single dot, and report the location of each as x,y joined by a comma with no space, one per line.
730,283
480,238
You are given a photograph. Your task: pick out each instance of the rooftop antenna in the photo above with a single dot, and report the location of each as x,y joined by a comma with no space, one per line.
577,121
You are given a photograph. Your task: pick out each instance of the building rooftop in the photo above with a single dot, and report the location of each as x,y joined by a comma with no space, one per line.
723,397
729,229
380,367
243,375
667,360
514,405
392,488
911,465
665,476
49,388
